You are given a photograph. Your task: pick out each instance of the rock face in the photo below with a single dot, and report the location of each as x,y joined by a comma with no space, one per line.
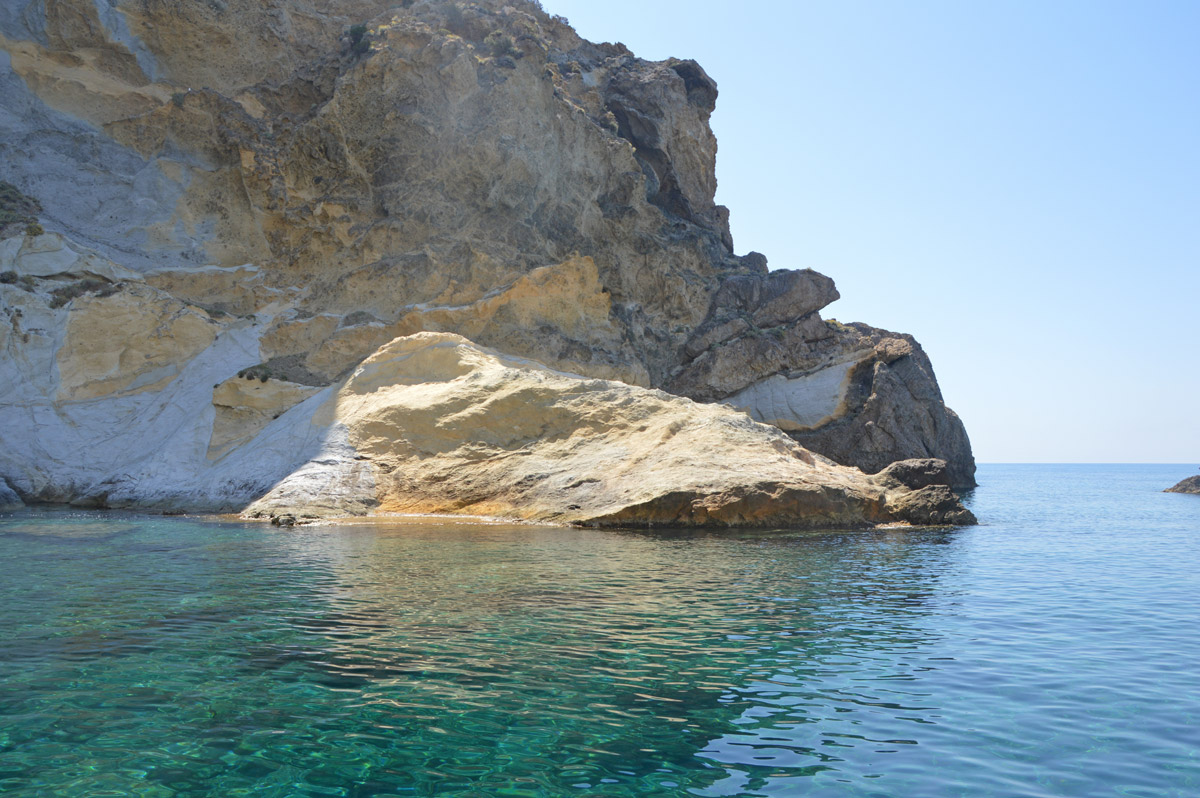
1189,485
287,204
435,424
891,408
9,500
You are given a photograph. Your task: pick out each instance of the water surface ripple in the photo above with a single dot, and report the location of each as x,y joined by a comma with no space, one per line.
1050,652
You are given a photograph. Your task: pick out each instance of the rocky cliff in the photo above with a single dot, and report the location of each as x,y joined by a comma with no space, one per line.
219,210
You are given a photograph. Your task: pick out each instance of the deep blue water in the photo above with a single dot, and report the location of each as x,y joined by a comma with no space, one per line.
1052,651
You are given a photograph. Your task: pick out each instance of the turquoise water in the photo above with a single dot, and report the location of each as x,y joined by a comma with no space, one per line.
1053,651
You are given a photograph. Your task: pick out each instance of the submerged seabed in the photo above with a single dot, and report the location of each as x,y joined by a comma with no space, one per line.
1052,651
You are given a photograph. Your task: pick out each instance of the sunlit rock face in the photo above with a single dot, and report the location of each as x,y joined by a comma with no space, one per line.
9,500
436,424
284,187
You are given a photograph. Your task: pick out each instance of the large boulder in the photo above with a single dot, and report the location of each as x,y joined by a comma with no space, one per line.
436,424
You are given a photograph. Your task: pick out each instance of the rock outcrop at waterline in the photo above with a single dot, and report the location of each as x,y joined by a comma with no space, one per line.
431,423
129,393
1189,485
435,424
9,500
236,222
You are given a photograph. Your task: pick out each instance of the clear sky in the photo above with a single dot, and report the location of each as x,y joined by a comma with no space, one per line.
1014,182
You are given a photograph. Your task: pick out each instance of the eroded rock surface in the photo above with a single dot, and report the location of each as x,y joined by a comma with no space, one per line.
245,404
290,201
133,340
891,409
427,423
436,424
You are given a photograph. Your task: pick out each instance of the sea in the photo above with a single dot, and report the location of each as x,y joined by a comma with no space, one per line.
1054,650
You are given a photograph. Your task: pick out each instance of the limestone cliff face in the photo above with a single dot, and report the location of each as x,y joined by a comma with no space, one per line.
280,188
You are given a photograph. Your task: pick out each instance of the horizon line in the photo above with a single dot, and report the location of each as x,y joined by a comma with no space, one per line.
1083,462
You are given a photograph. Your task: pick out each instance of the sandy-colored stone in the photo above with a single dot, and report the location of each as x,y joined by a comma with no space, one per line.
559,314
52,255
135,340
292,335
245,405
84,82
237,290
445,426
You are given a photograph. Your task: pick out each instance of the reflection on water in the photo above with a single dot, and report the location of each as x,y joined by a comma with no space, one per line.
170,657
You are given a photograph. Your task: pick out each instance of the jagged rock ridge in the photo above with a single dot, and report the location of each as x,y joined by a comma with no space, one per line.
319,190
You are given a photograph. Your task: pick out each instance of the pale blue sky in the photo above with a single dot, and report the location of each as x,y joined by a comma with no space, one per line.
1015,183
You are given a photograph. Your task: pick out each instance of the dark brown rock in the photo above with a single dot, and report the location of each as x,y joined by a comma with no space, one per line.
1189,485
727,365
775,298
914,474
891,408
933,505
896,413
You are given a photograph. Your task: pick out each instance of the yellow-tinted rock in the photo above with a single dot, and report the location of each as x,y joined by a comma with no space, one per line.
436,424
86,83
347,346
245,406
559,314
538,316
237,290
292,336
135,340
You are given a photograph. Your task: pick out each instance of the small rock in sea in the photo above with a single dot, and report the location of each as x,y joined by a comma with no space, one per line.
283,520
1189,485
